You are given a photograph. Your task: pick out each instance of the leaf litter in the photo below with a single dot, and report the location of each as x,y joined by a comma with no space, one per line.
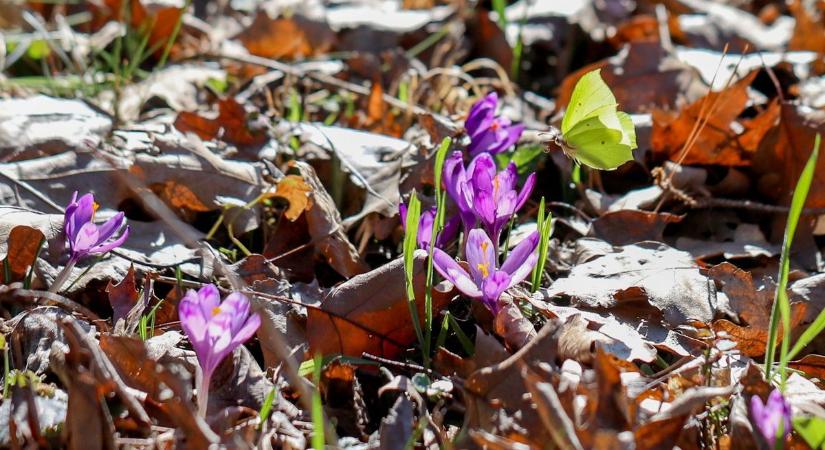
259,152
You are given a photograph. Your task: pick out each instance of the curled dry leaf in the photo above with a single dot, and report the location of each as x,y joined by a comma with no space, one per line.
123,296
294,190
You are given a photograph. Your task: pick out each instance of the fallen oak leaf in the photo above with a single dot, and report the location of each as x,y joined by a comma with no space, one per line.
123,296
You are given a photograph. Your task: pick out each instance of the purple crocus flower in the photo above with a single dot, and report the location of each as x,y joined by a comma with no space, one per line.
86,238
486,281
425,227
484,195
769,416
215,329
488,132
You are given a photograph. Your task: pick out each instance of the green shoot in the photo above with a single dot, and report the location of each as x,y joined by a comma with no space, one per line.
438,224
545,226
499,7
27,282
781,309
174,36
266,408
146,325
410,245
6,370
317,406
450,322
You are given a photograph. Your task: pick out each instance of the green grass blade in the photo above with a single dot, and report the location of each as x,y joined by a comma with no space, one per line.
318,440
266,408
410,245
781,306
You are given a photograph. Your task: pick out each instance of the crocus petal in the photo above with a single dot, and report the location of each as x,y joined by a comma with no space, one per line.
103,248
521,260
454,273
454,179
208,299
483,172
526,190
402,211
508,136
191,317
493,286
86,238
110,226
481,114
507,179
247,330
768,417
481,255
237,306
449,232
485,209
425,228
84,212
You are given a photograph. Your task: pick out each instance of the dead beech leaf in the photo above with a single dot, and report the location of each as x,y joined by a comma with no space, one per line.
24,242
293,37
718,141
752,305
784,152
231,125
629,226
294,190
178,196
612,409
368,313
123,296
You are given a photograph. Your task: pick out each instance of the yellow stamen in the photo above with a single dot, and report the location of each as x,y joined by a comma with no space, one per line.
496,184
216,310
95,207
484,268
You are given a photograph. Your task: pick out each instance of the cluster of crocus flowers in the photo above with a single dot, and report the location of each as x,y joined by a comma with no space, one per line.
484,195
485,280
770,416
487,197
85,237
489,132
215,330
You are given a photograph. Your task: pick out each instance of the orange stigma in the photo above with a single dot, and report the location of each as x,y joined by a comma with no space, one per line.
216,310
484,268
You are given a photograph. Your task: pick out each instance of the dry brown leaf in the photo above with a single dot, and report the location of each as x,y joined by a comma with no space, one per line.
123,296
717,142
24,244
293,37
784,152
231,125
140,371
294,190
369,313
629,226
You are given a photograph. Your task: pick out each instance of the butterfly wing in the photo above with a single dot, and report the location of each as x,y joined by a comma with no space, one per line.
591,97
598,145
628,130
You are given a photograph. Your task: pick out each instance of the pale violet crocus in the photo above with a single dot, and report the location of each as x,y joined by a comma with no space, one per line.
85,237
484,195
486,281
215,330
771,416
489,132
425,227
